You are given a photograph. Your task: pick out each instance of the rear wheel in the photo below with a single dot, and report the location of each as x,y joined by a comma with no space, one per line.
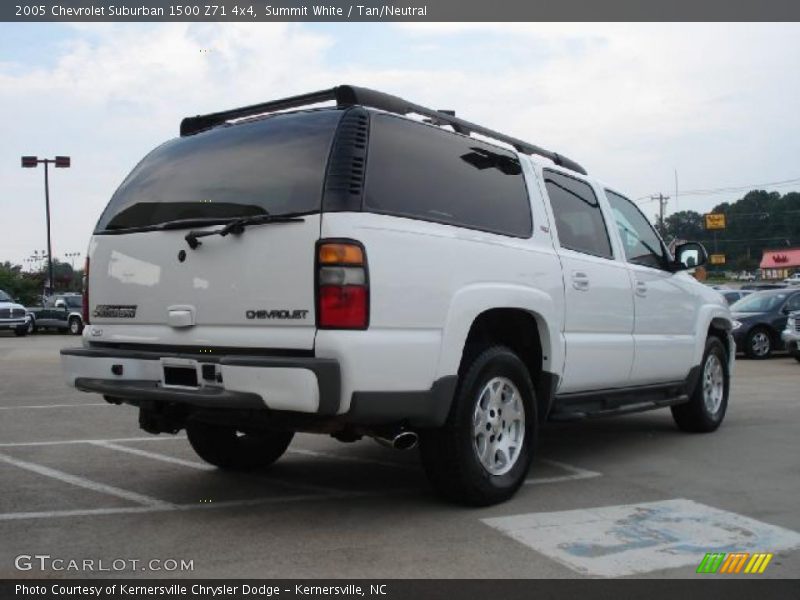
229,449
482,454
709,401
758,343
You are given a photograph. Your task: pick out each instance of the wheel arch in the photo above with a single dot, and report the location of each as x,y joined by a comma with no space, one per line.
521,318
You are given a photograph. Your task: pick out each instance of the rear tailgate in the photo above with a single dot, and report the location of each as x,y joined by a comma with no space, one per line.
251,290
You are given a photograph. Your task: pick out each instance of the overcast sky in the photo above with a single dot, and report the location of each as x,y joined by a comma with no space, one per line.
632,103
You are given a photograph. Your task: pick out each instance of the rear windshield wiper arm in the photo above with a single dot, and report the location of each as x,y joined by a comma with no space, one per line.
237,226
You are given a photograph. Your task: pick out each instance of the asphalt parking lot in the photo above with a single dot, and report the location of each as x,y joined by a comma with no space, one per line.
629,496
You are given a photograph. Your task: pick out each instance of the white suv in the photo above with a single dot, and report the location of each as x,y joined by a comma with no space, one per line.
353,271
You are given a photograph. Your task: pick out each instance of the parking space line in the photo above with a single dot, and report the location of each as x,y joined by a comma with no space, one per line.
55,405
84,483
319,489
16,516
574,473
67,442
192,464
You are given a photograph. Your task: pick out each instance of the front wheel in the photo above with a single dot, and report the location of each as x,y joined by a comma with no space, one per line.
482,454
709,401
75,326
229,449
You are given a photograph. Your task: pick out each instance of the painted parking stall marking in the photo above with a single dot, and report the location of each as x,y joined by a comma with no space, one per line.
615,541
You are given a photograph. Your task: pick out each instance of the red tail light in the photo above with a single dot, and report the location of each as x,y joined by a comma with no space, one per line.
343,286
85,309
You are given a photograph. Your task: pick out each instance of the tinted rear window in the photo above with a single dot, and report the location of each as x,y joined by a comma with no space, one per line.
421,172
275,165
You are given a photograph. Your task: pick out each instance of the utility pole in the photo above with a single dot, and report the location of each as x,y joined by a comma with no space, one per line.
662,205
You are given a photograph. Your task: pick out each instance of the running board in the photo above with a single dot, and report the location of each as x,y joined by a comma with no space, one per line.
562,413
622,401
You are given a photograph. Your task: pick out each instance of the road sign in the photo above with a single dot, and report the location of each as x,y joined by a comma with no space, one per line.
717,259
715,221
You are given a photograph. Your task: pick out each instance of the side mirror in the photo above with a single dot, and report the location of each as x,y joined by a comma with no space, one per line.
689,256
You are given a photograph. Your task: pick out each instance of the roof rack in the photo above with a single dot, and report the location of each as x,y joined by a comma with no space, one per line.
349,95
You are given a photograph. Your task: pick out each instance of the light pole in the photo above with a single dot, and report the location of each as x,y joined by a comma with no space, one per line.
61,162
72,256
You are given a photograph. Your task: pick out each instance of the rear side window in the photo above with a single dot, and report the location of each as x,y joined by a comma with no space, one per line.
274,165
418,171
579,221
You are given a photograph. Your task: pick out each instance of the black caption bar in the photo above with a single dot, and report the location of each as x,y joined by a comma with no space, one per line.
433,589
400,10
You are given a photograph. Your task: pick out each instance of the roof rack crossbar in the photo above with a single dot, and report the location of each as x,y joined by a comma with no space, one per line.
348,95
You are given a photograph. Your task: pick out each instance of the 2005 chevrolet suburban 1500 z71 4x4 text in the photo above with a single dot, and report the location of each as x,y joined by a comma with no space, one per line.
353,271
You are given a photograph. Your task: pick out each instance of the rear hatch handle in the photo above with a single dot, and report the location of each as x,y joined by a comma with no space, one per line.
237,227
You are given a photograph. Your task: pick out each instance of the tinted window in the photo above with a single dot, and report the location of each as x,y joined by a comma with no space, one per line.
418,171
579,222
794,303
274,165
639,240
759,302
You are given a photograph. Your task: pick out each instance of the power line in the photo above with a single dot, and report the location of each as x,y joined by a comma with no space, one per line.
729,189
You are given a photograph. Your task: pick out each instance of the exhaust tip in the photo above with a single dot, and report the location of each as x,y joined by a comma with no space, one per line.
405,440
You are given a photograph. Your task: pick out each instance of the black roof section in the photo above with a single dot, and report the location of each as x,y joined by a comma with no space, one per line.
349,95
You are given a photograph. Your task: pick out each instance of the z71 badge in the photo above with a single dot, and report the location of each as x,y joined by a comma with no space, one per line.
276,314
115,311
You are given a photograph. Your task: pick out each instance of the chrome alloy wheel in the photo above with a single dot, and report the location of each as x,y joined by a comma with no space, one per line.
760,343
713,384
499,426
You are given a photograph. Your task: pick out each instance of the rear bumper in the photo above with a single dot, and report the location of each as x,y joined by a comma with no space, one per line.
308,385
297,384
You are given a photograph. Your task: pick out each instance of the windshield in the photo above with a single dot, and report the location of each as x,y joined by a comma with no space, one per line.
758,303
4,297
274,165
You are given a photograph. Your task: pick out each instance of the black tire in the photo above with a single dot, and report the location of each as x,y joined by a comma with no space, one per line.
761,333
75,325
21,331
32,325
228,449
696,416
450,453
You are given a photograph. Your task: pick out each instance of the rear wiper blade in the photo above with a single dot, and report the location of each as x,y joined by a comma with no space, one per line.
236,227
176,224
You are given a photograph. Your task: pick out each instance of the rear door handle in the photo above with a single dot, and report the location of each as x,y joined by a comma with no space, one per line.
641,288
580,281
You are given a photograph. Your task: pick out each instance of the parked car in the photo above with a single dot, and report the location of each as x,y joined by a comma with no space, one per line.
745,276
250,280
791,335
793,279
732,296
62,312
755,287
12,315
759,320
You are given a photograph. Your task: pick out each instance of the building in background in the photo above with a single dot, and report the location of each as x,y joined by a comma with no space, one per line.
779,263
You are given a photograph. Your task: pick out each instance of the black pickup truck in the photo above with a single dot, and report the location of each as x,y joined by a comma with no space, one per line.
62,312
